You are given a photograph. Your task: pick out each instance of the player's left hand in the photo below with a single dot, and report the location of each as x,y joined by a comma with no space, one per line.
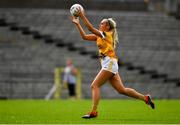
75,20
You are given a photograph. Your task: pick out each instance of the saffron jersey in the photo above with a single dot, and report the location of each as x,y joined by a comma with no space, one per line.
105,45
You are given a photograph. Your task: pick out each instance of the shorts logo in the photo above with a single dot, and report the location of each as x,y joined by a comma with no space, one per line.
110,65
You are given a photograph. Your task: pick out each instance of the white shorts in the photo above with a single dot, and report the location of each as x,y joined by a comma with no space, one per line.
109,64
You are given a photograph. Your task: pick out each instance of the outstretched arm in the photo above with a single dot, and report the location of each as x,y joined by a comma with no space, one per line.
90,27
90,37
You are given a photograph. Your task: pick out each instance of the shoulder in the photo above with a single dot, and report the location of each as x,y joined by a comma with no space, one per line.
105,34
108,33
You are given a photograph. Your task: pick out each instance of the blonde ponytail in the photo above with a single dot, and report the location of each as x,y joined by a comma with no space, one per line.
113,28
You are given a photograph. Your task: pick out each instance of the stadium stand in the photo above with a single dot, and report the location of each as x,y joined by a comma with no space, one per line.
178,12
35,41
130,5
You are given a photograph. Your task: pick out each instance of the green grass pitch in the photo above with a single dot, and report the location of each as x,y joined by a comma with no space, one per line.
70,112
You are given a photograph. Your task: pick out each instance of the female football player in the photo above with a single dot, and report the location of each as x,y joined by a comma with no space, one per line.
106,38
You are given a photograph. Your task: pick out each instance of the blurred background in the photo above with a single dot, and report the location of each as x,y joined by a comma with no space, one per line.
37,36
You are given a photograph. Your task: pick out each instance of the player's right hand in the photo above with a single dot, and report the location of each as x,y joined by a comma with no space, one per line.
80,12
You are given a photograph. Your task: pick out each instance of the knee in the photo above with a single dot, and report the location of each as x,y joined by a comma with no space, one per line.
122,91
93,86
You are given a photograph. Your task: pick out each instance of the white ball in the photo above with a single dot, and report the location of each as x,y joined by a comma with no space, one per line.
74,9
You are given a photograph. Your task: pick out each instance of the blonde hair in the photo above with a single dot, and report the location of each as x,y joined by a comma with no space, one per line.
113,28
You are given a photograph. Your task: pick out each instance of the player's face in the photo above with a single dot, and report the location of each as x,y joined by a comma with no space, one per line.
104,25
69,61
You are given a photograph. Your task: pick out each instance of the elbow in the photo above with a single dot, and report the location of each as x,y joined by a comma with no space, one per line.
84,37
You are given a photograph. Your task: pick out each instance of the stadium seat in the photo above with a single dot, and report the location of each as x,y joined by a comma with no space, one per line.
148,49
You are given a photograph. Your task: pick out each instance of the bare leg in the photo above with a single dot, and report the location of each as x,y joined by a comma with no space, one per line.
118,85
100,79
